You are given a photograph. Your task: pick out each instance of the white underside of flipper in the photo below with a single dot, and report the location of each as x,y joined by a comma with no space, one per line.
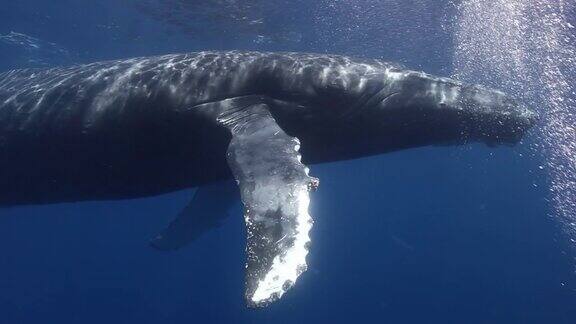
274,187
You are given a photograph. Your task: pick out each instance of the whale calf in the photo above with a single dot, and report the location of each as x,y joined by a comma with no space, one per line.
146,126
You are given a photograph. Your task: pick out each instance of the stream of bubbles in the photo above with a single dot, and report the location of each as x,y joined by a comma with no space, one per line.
528,47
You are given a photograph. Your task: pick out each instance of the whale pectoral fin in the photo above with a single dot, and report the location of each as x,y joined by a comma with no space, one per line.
206,210
274,186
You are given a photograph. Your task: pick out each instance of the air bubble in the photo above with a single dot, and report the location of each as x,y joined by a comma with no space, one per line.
527,50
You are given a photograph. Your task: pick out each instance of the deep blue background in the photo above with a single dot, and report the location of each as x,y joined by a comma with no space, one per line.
429,235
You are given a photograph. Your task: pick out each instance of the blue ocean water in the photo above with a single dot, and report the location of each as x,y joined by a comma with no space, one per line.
428,235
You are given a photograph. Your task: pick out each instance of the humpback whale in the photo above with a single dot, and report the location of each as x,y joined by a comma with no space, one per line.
146,126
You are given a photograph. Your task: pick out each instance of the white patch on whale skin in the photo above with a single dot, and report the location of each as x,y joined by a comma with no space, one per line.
287,268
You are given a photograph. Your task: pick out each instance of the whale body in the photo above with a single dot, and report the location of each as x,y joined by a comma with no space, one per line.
146,126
